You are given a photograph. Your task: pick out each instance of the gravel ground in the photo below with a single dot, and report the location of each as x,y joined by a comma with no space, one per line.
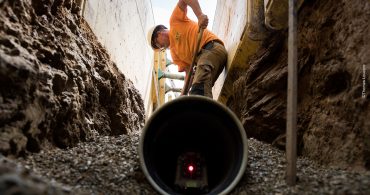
110,165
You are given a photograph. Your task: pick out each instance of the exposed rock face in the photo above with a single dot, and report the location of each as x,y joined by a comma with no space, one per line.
57,83
333,118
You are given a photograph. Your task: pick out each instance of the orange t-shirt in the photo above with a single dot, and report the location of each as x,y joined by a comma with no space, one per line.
183,38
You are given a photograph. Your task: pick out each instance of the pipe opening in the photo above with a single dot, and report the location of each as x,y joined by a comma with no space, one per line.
198,126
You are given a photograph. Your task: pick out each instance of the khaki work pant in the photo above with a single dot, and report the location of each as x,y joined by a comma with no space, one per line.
210,63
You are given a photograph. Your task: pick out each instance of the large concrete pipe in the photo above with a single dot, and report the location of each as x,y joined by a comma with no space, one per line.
193,145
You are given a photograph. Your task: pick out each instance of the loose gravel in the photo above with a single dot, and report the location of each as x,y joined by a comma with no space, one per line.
110,165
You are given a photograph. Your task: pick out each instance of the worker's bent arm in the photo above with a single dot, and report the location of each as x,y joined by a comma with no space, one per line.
194,4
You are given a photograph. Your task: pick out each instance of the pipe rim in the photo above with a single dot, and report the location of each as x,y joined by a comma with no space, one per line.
211,101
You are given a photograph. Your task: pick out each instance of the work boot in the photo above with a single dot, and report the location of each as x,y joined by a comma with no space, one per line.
197,89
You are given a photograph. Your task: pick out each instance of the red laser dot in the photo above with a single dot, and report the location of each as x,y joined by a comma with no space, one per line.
191,168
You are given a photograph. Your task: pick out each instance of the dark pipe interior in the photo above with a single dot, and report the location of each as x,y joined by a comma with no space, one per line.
193,125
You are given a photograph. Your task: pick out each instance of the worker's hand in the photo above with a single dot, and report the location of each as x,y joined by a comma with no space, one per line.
203,21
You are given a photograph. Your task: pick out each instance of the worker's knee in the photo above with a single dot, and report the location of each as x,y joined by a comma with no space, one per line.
203,73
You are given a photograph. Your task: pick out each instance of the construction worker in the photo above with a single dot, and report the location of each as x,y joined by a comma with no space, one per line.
181,39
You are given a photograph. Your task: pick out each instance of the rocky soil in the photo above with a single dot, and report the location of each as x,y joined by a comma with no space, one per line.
334,67
110,165
57,83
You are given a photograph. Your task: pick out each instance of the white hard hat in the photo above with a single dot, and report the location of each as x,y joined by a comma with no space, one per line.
149,36
151,31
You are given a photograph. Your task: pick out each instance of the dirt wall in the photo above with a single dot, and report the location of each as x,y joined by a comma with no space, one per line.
333,88
122,26
58,85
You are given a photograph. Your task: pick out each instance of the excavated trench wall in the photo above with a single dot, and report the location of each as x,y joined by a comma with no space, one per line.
229,23
333,84
121,26
58,85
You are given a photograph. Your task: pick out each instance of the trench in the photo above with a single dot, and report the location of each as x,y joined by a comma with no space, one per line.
70,120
